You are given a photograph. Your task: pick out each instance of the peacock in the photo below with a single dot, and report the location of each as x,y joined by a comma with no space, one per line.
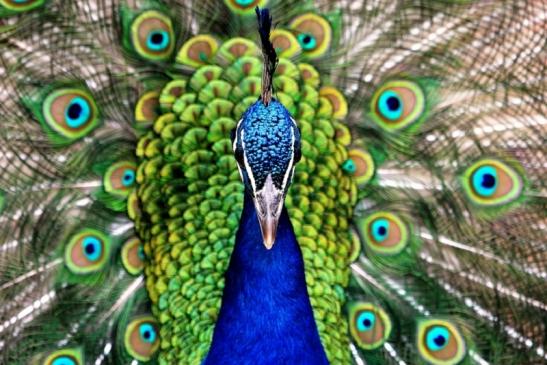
273,182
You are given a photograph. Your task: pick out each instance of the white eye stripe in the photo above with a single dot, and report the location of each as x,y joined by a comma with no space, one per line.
290,167
246,163
236,136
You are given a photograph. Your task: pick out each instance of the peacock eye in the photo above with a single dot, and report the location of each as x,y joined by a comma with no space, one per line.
158,40
70,112
64,357
314,34
380,229
147,333
63,360
397,104
245,7
20,5
307,41
384,233
390,105
152,35
359,164
141,338
365,321
370,326
87,251
437,338
440,342
120,178
133,256
92,248
490,182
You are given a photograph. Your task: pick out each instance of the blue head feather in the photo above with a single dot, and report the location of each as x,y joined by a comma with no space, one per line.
266,142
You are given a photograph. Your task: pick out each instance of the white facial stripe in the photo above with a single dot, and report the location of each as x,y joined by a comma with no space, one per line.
290,167
294,122
246,163
234,142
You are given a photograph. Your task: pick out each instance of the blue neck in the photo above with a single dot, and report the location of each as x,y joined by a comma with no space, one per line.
266,316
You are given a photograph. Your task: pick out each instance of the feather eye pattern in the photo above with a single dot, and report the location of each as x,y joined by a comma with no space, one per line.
418,202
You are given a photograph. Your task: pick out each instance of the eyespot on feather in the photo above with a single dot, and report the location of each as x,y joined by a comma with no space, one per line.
359,164
384,233
18,6
87,251
397,104
70,112
369,325
152,35
141,338
245,7
440,342
314,33
64,357
490,182
197,51
119,178
133,256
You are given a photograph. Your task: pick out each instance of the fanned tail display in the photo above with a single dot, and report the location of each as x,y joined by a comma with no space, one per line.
418,195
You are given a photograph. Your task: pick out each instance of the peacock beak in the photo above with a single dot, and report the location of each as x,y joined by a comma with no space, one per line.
268,204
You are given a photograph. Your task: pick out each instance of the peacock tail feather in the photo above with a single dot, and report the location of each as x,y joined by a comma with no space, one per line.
419,202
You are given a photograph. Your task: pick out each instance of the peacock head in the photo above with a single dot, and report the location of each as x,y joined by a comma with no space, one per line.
266,144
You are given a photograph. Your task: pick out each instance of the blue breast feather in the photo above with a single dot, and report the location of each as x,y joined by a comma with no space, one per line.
266,317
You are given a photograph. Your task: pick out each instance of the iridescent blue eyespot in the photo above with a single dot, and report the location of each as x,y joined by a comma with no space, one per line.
485,180
437,338
63,360
390,105
140,252
349,166
128,177
92,248
77,112
157,40
307,41
380,229
147,332
365,321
